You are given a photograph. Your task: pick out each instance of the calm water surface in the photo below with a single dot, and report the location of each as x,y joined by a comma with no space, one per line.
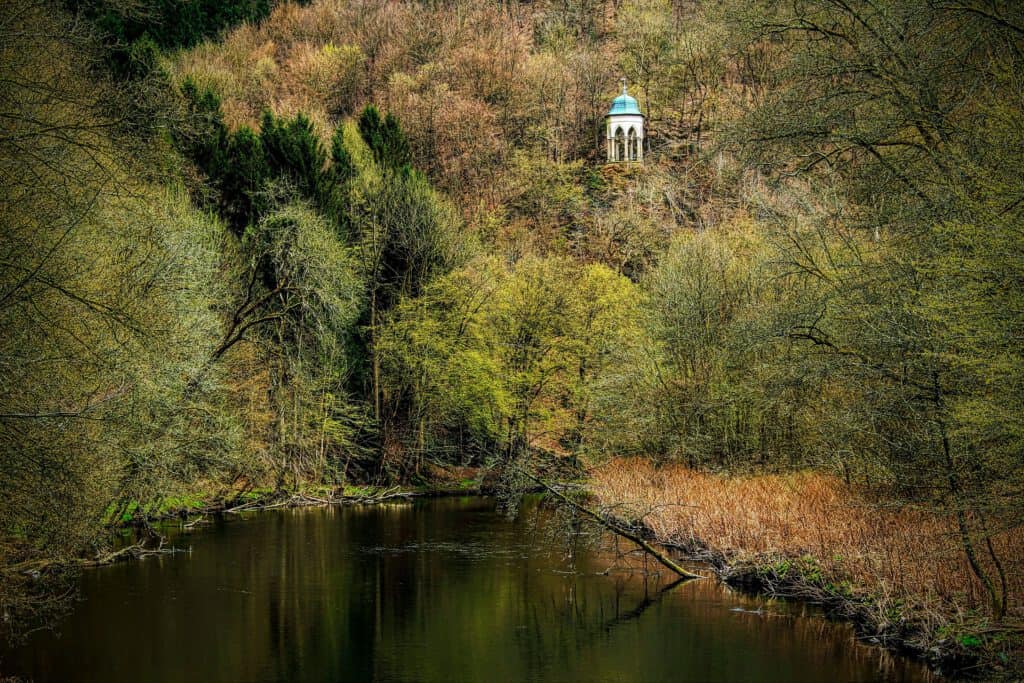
435,590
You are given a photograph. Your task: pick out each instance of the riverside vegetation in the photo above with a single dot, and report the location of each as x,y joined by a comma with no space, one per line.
256,249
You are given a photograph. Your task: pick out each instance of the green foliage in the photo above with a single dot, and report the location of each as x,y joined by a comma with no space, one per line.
294,153
143,57
254,172
713,382
177,504
241,179
548,193
411,233
257,494
907,292
127,28
343,168
435,352
493,358
303,310
204,136
129,512
337,184
385,138
405,234
309,262
369,128
969,640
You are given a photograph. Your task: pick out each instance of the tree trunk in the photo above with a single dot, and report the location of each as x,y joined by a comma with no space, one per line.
613,526
996,603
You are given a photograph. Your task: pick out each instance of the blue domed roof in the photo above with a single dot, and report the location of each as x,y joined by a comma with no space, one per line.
624,104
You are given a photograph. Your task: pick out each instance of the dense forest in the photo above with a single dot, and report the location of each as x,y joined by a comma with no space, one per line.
255,248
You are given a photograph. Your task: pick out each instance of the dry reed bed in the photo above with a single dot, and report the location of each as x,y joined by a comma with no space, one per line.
907,558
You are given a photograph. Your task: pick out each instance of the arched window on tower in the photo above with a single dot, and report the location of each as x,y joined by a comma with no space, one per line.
620,145
632,144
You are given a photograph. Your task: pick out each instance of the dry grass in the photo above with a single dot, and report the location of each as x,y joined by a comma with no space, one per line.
900,556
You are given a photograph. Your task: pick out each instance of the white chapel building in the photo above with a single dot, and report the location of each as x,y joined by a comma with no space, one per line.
625,129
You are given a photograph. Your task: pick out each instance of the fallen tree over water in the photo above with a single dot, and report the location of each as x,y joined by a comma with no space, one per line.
609,522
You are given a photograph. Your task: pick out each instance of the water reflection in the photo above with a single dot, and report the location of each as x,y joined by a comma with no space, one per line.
436,590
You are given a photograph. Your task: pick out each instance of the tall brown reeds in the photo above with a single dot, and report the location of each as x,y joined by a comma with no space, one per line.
895,556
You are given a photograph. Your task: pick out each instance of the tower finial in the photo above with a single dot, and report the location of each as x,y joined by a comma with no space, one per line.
623,79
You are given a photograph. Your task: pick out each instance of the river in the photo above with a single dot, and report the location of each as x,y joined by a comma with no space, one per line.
447,589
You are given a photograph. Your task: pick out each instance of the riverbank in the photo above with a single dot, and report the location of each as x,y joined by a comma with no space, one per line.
897,573
36,589
241,495
196,505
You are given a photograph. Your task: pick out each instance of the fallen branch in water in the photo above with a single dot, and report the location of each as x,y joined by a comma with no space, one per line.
136,551
302,499
386,494
612,525
251,505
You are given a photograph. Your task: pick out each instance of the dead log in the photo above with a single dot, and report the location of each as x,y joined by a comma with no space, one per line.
612,525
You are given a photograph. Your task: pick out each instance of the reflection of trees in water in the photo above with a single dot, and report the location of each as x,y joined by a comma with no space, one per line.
34,601
645,603
434,590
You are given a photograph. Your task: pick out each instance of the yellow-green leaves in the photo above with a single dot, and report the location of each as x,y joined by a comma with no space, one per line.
512,353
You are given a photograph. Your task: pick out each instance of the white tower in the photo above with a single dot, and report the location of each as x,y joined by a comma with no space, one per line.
625,129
